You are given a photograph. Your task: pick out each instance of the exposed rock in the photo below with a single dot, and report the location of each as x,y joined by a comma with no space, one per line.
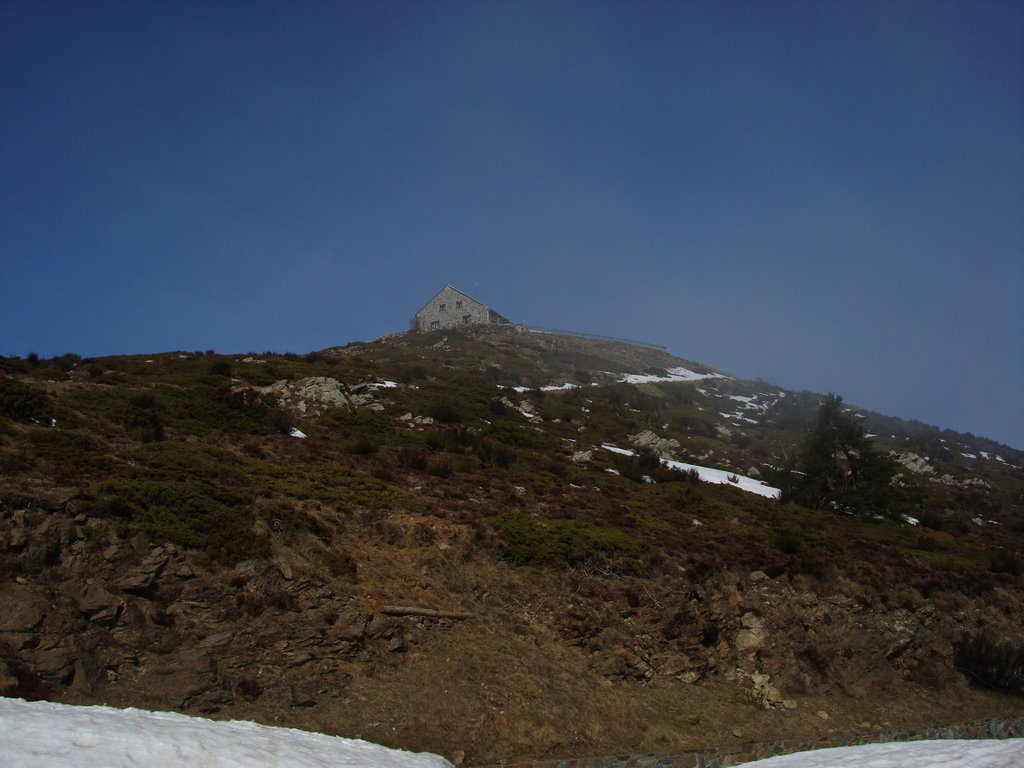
143,578
914,463
310,395
751,637
765,695
174,684
350,626
301,696
314,394
99,605
22,608
53,663
662,447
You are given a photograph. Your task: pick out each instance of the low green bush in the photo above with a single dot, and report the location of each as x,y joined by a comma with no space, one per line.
543,541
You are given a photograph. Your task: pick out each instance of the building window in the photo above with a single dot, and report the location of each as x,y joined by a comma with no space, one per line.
435,324
458,304
440,307
465,319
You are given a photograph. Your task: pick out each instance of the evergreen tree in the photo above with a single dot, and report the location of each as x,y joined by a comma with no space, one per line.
840,468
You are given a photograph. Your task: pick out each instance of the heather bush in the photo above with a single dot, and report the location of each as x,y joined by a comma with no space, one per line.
1005,562
991,663
23,402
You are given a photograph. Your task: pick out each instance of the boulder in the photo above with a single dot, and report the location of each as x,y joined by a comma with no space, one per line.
99,605
174,685
22,608
142,579
663,447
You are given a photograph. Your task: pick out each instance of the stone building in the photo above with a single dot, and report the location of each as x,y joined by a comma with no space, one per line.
451,308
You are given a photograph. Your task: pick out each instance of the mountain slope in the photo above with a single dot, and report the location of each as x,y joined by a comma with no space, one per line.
166,542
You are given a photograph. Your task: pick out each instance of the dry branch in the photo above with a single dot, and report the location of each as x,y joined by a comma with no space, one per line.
408,610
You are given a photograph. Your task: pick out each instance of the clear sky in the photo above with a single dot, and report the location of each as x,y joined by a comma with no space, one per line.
829,195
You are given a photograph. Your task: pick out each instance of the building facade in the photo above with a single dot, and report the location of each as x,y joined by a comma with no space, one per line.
451,308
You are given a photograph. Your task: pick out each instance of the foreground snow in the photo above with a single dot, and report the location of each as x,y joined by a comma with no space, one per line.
41,733
58,736
987,753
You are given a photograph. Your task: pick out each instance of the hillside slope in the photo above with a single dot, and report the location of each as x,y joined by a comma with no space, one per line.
169,540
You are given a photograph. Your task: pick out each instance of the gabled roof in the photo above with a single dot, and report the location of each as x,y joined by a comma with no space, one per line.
461,293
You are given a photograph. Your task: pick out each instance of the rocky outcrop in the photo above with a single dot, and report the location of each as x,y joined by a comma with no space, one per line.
663,448
777,639
313,395
109,617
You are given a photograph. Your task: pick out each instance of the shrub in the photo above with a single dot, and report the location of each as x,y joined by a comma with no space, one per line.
412,459
28,685
536,540
445,413
284,600
494,454
249,688
360,446
340,565
142,420
991,663
281,420
250,603
220,368
23,402
440,468
66,362
1004,562
787,541
382,473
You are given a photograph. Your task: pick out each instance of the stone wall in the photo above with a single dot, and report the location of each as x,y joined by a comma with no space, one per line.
719,757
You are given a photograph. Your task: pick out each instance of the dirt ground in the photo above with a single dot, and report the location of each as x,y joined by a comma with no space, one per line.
470,689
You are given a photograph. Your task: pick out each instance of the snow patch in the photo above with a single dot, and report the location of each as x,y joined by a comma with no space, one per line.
710,474
42,733
974,753
548,388
672,374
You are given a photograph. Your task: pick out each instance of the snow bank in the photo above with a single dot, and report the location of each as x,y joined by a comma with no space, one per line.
672,374
548,388
41,733
711,475
976,753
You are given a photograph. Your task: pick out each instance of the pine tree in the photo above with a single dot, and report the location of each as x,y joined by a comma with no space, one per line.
840,468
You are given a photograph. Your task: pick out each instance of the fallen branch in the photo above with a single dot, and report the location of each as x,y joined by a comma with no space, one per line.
408,610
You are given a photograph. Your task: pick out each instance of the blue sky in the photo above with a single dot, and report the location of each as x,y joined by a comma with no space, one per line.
828,195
